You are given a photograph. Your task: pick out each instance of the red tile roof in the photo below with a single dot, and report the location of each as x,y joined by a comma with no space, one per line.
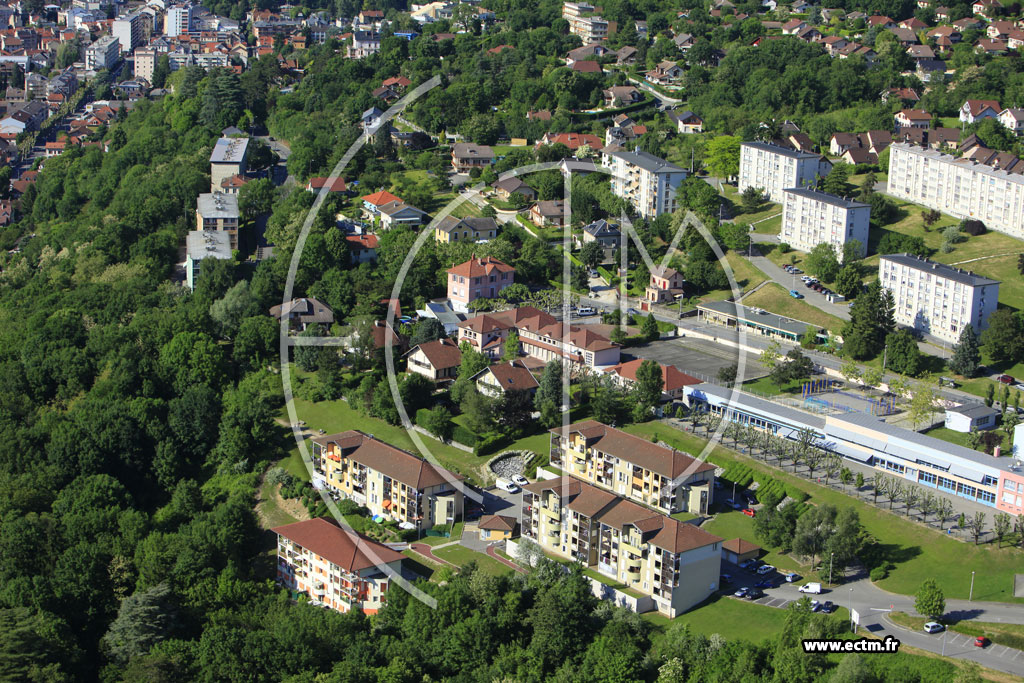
361,242
347,549
476,267
407,468
673,377
442,353
381,198
739,546
319,181
497,523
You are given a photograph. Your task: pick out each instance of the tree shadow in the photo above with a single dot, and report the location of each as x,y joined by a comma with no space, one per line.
963,614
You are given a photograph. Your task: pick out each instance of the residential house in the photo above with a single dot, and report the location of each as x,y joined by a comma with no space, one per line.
833,44
467,156
793,26
914,24
586,52
665,287
991,47
904,36
507,187
25,117
621,95
737,550
859,155
665,479
390,482
604,233
303,312
665,73
497,380
1000,29
371,119
437,360
362,248
587,67
918,52
801,142
687,122
912,118
673,379
317,183
572,140
1013,119
469,229
906,96
477,278
364,44
399,213
495,528
373,202
973,111
541,337
930,69
986,8
338,568
880,22
626,55
549,212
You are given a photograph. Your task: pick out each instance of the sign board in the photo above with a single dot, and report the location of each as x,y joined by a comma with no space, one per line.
855,617
518,142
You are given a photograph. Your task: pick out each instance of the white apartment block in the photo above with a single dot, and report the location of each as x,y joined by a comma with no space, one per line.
672,564
145,62
647,182
937,299
583,23
128,31
775,169
102,54
810,217
960,187
179,21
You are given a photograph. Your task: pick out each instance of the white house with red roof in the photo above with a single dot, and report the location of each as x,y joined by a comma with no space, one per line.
317,183
373,202
477,278
673,379
975,110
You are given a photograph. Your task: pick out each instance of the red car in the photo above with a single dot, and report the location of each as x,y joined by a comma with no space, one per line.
1006,379
982,641
749,512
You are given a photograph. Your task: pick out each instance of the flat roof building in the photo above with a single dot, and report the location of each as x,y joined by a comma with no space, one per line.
647,182
752,319
203,244
218,211
228,158
810,218
773,169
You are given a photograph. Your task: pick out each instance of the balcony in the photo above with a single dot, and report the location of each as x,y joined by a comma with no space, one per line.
631,549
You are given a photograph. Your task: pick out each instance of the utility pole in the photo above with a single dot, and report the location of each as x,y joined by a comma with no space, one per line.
853,626
971,596
831,555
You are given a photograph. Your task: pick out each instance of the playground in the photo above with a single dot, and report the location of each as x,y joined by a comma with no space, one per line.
828,396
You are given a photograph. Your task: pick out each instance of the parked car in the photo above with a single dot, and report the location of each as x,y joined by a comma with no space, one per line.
796,271
725,578
519,480
754,594
749,512
815,606
1006,379
795,294
982,641
792,576
934,627
746,563
828,607
767,569
585,310
741,593
765,583
506,485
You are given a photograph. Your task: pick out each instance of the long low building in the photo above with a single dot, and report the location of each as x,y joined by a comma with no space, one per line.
753,320
960,187
864,438
675,564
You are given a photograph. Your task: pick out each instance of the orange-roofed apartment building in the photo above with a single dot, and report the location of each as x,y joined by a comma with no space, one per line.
477,278
540,336
673,379
390,482
673,565
661,478
335,567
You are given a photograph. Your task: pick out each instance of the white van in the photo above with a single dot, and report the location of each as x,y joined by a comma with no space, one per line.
814,588
506,485
585,310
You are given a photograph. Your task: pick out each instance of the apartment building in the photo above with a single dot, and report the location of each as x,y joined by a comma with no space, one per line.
674,565
333,566
648,183
946,467
200,245
179,20
227,159
364,44
540,337
390,482
128,31
145,62
218,211
775,169
810,218
960,187
632,467
102,54
584,23
477,278
937,299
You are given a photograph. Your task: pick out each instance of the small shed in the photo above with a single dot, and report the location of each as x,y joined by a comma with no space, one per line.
497,527
964,418
737,550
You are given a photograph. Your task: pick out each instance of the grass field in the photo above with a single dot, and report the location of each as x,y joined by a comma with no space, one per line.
420,565
959,438
915,550
461,555
772,297
728,616
765,210
338,416
771,226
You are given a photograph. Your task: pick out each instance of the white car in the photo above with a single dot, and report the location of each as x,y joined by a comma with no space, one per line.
506,485
934,627
766,569
519,480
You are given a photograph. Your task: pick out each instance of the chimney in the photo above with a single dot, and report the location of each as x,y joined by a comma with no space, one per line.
997,452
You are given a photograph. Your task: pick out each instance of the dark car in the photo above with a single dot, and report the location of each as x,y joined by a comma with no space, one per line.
754,594
829,607
725,578
797,271
765,583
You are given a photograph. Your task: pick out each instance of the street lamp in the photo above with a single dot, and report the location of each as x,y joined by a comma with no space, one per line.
831,555
853,626
971,596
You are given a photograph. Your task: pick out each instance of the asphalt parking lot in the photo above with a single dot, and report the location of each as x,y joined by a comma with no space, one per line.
697,357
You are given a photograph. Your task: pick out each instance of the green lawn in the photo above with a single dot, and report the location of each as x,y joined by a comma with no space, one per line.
772,297
730,617
747,274
734,524
456,534
960,438
764,385
772,226
765,210
461,555
915,550
421,565
338,416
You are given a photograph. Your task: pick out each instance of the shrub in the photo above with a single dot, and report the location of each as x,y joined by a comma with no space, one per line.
464,436
278,475
490,443
879,573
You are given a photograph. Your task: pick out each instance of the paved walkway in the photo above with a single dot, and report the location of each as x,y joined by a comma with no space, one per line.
499,558
428,552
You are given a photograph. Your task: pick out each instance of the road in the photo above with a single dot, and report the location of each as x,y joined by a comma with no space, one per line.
279,173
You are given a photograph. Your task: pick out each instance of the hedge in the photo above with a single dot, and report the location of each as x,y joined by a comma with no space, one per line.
464,436
422,416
